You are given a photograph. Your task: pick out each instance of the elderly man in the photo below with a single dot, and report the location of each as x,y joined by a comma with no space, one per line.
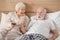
40,28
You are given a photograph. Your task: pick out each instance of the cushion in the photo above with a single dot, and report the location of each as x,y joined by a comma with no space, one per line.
55,16
3,19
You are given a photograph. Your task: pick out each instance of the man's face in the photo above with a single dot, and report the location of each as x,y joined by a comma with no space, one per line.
41,13
21,11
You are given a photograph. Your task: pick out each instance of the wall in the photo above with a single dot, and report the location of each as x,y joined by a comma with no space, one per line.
32,5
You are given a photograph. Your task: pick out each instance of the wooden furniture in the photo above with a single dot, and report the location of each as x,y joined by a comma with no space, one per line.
31,5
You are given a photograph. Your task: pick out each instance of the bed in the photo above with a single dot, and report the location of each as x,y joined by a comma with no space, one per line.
31,6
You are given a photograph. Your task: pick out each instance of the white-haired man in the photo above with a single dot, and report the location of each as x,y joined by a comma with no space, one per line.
40,28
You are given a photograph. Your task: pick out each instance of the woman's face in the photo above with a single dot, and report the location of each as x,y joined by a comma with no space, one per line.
21,11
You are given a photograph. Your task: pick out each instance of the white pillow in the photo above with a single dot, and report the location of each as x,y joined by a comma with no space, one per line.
3,19
57,21
55,16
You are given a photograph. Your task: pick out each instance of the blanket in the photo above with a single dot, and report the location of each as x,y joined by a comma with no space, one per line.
32,37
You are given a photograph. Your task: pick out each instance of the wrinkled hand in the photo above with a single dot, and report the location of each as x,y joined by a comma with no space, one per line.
21,25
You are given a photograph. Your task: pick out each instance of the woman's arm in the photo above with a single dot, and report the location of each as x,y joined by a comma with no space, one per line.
23,29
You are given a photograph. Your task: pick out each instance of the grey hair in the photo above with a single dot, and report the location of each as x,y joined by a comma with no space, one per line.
19,5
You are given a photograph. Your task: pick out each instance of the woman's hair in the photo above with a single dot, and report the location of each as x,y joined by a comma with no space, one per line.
19,5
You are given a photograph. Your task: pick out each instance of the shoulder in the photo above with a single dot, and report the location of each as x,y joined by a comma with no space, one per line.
33,17
51,23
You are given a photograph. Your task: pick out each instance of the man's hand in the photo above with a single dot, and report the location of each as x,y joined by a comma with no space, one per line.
50,38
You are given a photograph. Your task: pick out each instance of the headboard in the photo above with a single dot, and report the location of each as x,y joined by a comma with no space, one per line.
31,5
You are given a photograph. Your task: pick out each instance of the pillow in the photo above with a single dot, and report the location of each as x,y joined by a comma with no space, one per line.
57,21
55,16
3,19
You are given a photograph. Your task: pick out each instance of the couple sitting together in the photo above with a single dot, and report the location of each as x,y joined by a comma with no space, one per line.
19,27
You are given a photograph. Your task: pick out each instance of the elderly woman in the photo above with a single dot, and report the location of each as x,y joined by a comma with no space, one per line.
17,22
40,28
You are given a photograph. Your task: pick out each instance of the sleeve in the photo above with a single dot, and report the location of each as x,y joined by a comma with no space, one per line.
52,25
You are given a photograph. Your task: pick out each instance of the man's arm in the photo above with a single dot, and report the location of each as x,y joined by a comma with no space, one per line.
55,35
53,30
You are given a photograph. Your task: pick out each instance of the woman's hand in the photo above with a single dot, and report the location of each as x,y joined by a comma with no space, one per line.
13,24
22,28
